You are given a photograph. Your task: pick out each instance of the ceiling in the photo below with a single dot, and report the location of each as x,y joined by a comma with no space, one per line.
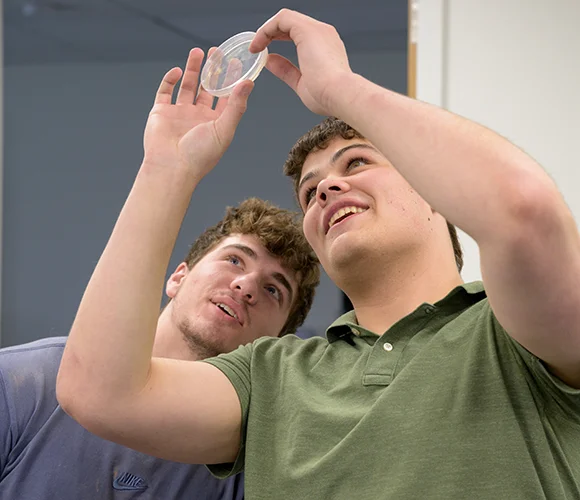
89,31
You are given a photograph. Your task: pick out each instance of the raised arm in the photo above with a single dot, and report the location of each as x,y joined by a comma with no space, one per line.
184,411
528,239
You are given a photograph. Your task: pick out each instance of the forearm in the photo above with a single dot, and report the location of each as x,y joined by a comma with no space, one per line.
466,172
110,343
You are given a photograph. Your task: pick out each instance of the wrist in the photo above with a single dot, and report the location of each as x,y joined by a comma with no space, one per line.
355,100
167,177
345,91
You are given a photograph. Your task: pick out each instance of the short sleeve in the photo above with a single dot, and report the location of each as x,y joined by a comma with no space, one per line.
6,422
235,365
553,391
27,389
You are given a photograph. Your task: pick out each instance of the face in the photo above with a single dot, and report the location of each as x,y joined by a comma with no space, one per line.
235,294
356,206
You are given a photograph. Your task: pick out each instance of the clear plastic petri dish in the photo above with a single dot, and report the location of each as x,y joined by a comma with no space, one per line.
232,63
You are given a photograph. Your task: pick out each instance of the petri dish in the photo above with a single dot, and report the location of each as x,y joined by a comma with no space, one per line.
232,63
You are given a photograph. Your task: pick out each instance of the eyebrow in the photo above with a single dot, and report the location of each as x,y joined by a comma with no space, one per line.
277,276
247,250
335,157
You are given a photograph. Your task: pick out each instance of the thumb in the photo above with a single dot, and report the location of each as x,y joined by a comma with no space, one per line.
228,121
286,71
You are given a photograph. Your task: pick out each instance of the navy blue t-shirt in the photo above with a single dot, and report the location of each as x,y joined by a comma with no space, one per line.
46,455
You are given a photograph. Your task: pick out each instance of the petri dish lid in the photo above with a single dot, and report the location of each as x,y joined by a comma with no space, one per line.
232,63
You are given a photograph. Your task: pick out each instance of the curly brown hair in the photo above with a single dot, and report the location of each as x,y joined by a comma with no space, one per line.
318,138
280,232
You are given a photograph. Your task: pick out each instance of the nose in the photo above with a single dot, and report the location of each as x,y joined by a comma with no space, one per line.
246,287
329,187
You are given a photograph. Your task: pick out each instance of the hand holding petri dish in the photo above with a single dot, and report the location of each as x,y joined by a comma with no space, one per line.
232,63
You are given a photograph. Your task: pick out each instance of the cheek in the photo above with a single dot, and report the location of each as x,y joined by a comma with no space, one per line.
202,282
418,206
309,227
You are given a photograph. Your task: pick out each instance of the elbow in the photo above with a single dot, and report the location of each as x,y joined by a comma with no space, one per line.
534,211
67,393
79,404
88,403
71,392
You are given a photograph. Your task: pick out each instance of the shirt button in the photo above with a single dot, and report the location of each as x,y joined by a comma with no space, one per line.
387,346
356,332
429,309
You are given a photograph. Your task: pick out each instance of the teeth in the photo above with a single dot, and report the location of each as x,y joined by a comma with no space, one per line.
344,211
227,309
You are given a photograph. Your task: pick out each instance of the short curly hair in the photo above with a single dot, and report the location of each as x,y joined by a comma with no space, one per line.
280,232
318,138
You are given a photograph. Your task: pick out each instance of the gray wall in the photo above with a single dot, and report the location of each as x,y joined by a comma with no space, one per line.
73,144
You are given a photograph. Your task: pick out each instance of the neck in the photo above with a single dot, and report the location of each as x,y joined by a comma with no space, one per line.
390,292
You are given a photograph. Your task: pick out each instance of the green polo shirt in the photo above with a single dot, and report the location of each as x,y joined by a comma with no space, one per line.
444,405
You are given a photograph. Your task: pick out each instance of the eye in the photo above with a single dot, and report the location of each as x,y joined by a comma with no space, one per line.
356,162
274,291
308,195
234,260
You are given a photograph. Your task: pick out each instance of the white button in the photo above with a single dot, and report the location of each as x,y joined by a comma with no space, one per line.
356,332
387,346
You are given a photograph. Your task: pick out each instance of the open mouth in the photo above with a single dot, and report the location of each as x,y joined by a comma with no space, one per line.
228,310
344,213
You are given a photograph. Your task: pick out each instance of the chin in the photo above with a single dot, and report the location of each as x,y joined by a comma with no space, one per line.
345,254
202,337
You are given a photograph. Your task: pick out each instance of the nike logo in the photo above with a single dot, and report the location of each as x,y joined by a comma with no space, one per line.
128,481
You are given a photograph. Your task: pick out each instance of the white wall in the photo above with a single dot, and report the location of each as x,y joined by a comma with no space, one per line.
73,146
513,66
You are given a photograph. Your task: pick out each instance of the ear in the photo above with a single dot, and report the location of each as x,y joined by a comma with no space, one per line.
176,279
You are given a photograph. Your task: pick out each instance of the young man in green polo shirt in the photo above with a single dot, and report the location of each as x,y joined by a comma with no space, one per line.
430,388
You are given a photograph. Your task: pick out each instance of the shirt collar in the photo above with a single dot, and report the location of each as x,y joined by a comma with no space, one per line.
461,297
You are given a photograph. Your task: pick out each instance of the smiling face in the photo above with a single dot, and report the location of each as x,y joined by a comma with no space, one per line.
358,208
235,294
